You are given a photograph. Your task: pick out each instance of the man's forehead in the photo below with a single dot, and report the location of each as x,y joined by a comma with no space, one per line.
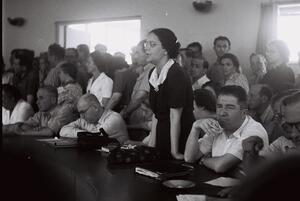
292,112
222,42
227,99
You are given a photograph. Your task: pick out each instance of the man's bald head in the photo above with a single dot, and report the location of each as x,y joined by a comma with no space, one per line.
89,108
88,99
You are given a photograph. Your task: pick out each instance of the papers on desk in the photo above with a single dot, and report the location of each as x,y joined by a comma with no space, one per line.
188,197
223,182
162,170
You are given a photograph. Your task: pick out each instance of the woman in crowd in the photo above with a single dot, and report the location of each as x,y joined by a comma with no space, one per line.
99,84
280,76
231,69
258,66
69,91
171,95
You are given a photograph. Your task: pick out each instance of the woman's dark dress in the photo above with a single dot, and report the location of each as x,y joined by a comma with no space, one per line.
280,78
175,92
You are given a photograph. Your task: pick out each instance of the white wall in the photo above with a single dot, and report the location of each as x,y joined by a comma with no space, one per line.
237,19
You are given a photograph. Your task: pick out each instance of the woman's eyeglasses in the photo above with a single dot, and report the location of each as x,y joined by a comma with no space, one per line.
150,44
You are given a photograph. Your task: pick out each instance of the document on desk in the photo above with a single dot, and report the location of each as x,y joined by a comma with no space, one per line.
189,197
223,182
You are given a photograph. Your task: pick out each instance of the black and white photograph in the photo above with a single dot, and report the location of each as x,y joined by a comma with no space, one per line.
150,100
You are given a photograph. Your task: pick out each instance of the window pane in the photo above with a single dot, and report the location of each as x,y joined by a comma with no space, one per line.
117,36
289,29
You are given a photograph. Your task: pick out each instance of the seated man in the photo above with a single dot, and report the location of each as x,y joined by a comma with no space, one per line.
50,117
260,105
221,147
14,109
93,116
290,141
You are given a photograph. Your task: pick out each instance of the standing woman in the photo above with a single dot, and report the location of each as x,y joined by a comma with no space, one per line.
99,84
171,95
279,76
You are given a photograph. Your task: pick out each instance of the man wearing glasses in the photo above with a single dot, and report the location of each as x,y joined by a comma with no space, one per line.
94,117
290,141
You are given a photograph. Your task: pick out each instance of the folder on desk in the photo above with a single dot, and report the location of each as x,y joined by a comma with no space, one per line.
163,170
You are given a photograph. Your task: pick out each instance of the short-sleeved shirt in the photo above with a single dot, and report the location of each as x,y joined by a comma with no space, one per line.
123,83
69,93
101,87
221,144
52,78
281,145
110,121
21,112
54,119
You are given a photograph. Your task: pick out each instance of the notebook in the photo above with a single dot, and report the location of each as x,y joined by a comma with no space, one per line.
164,170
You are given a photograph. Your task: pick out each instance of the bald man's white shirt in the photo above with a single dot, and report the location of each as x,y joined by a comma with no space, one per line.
110,121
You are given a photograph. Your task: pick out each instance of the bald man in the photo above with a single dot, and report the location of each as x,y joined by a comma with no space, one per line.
93,117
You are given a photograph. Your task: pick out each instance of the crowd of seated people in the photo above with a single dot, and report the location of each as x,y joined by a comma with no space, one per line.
190,109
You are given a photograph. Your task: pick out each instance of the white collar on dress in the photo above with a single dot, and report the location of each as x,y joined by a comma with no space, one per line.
156,80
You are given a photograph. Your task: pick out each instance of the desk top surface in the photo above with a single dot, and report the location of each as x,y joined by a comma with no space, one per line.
107,183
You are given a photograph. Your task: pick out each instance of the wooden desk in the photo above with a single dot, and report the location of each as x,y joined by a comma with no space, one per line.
84,175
